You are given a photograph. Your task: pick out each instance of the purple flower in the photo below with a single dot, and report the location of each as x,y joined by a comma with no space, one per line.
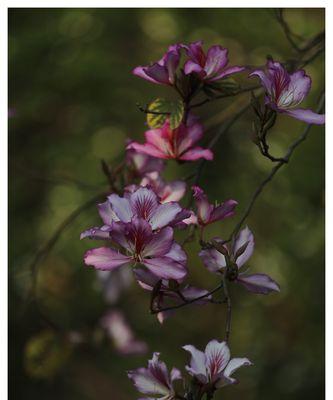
142,164
208,213
149,281
121,334
143,203
209,67
239,255
157,251
284,92
114,283
179,144
155,380
213,366
162,72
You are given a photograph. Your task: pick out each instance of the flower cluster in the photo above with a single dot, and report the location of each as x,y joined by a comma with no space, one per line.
211,370
143,212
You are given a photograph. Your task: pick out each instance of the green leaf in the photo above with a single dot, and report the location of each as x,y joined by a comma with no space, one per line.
177,113
172,109
158,106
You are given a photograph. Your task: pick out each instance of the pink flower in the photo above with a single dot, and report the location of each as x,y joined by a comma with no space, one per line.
179,144
148,281
213,366
240,253
162,72
208,213
209,67
121,334
155,380
157,251
284,92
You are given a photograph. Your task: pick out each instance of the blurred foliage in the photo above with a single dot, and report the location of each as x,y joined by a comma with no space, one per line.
74,96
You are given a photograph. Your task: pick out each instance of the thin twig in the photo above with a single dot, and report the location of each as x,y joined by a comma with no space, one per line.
224,95
229,309
158,310
274,170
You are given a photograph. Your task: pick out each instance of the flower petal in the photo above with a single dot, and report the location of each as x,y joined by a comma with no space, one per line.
217,59
244,236
144,203
176,253
191,66
217,358
105,258
106,213
234,364
228,71
159,244
307,116
225,210
212,259
157,73
121,206
196,153
258,283
166,268
164,214
102,233
265,81
141,73
197,366
148,149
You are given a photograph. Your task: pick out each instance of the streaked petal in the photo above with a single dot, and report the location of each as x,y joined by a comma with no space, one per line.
144,203
191,66
217,59
176,253
234,364
105,258
140,72
258,283
217,358
265,81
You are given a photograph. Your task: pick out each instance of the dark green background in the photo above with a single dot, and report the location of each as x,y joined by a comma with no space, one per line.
70,82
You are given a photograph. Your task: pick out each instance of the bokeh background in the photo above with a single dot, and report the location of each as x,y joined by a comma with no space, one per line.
73,102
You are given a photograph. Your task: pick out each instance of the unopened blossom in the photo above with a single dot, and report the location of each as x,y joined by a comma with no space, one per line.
149,281
155,380
121,334
284,91
210,66
213,367
208,213
143,203
240,253
179,144
157,251
142,164
162,72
